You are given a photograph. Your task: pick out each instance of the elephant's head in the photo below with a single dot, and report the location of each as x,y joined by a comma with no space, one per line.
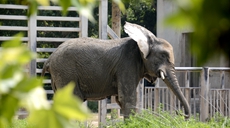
158,59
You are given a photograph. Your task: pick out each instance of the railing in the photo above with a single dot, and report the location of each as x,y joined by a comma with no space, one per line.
205,100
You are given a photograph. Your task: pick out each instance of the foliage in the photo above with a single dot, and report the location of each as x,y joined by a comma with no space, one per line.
142,13
210,20
93,106
17,90
164,119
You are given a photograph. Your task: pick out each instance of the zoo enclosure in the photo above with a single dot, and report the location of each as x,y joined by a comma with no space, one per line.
202,96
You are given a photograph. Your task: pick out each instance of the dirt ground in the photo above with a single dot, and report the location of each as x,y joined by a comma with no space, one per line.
92,122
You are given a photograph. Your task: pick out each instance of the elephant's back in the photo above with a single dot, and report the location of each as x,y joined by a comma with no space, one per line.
81,55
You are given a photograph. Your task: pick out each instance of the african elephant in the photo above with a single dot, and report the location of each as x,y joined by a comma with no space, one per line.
102,68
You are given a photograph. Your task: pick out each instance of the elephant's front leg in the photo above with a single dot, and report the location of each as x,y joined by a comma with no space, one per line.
127,100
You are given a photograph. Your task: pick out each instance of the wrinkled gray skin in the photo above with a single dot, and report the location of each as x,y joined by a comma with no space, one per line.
102,68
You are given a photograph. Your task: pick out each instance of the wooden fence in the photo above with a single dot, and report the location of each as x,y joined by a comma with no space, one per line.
204,100
32,29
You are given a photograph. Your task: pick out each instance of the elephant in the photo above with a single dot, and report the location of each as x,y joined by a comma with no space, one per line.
102,68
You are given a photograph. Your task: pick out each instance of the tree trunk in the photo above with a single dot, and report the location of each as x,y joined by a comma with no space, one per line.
116,25
116,19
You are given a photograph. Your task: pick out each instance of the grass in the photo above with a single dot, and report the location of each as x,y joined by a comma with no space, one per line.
149,119
22,123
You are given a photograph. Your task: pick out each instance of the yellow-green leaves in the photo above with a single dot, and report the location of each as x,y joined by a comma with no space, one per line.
68,105
65,4
13,56
44,2
66,108
120,4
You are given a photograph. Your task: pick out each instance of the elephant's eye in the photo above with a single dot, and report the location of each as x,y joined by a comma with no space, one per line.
164,55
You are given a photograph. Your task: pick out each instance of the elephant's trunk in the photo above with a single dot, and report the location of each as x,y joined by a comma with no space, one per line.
172,83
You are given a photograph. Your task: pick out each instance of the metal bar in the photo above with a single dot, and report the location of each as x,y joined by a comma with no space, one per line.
211,103
228,102
113,106
194,69
219,68
10,6
111,33
3,38
47,39
45,49
167,99
214,102
103,21
145,98
14,28
194,102
150,100
40,60
56,8
222,79
83,26
32,35
13,17
65,29
58,18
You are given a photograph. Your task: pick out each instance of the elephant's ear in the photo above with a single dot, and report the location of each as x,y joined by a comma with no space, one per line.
138,34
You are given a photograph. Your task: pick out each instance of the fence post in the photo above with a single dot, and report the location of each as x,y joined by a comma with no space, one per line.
103,21
222,93
32,42
140,96
187,85
102,106
204,94
156,96
83,26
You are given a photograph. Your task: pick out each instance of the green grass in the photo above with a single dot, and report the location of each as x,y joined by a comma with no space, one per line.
22,123
149,119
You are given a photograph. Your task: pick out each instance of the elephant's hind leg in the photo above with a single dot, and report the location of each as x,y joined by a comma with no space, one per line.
54,88
77,91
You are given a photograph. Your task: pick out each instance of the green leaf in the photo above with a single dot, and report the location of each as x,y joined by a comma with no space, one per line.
14,42
43,2
27,84
35,99
120,4
8,107
44,119
69,106
32,9
65,4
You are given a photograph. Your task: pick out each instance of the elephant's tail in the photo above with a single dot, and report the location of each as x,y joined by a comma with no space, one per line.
45,68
